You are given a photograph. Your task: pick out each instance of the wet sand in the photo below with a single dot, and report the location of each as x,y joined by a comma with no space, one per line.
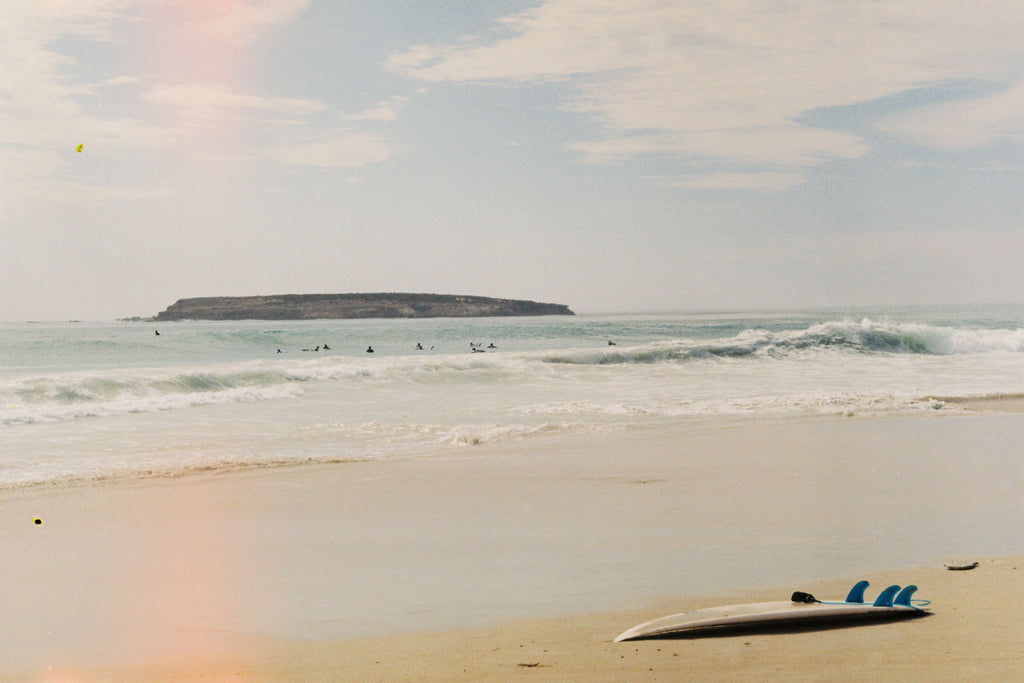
526,560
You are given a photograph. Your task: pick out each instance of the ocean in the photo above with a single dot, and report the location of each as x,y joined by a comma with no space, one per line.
95,402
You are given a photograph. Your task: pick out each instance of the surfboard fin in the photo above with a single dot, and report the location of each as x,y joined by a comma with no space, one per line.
884,598
857,592
904,597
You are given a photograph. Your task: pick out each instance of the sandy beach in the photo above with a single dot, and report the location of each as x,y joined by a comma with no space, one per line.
515,562
972,636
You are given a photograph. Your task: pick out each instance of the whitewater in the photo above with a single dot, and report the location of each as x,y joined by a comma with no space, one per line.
96,402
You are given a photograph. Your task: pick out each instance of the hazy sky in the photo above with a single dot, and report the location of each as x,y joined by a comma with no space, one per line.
612,155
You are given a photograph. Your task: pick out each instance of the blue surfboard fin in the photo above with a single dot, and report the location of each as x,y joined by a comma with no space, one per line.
857,592
904,597
884,598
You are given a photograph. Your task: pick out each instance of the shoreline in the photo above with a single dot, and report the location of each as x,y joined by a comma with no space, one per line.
514,549
958,406
1002,403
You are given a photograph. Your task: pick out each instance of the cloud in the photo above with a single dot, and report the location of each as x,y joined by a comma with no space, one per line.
38,96
798,146
118,81
768,181
242,22
210,105
385,110
82,193
34,92
46,107
729,81
40,106
40,23
340,149
966,124
202,104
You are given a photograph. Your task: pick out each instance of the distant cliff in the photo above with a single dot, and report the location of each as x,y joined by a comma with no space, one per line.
335,306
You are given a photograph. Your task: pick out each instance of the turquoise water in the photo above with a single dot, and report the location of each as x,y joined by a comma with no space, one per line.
113,400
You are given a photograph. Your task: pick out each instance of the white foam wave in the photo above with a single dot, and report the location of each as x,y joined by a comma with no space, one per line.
772,406
844,337
465,434
97,393
58,397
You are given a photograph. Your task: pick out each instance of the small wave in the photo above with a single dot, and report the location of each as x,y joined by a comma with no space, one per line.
477,435
169,472
52,398
447,435
69,396
781,406
349,443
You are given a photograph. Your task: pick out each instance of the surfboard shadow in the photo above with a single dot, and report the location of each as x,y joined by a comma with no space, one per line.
823,624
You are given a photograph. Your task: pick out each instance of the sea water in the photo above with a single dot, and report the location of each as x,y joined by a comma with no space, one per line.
116,400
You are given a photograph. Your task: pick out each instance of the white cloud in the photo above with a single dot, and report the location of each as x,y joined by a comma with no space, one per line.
769,181
242,22
964,124
41,114
785,143
35,97
82,193
209,105
201,104
47,107
118,81
729,80
42,21
384,111
342,149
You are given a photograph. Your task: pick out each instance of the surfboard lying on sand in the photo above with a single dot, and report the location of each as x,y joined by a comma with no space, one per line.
960,566
801,609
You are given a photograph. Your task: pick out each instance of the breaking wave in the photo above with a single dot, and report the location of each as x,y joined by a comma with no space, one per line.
58,397
867,337
65,396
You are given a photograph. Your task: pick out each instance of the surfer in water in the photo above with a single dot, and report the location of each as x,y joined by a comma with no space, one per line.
369,349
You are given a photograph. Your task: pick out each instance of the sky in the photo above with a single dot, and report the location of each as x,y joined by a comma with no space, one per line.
611,155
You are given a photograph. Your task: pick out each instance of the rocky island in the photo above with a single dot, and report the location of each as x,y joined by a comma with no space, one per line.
339,306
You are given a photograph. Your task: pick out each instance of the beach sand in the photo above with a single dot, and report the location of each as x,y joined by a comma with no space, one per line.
524,561
973,635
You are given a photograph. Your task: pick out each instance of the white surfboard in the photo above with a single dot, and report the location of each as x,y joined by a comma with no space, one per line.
891,603
960,565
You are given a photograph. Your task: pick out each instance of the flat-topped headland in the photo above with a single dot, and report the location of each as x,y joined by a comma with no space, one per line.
341,306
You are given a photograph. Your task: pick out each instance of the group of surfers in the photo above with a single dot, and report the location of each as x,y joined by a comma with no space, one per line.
473,347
